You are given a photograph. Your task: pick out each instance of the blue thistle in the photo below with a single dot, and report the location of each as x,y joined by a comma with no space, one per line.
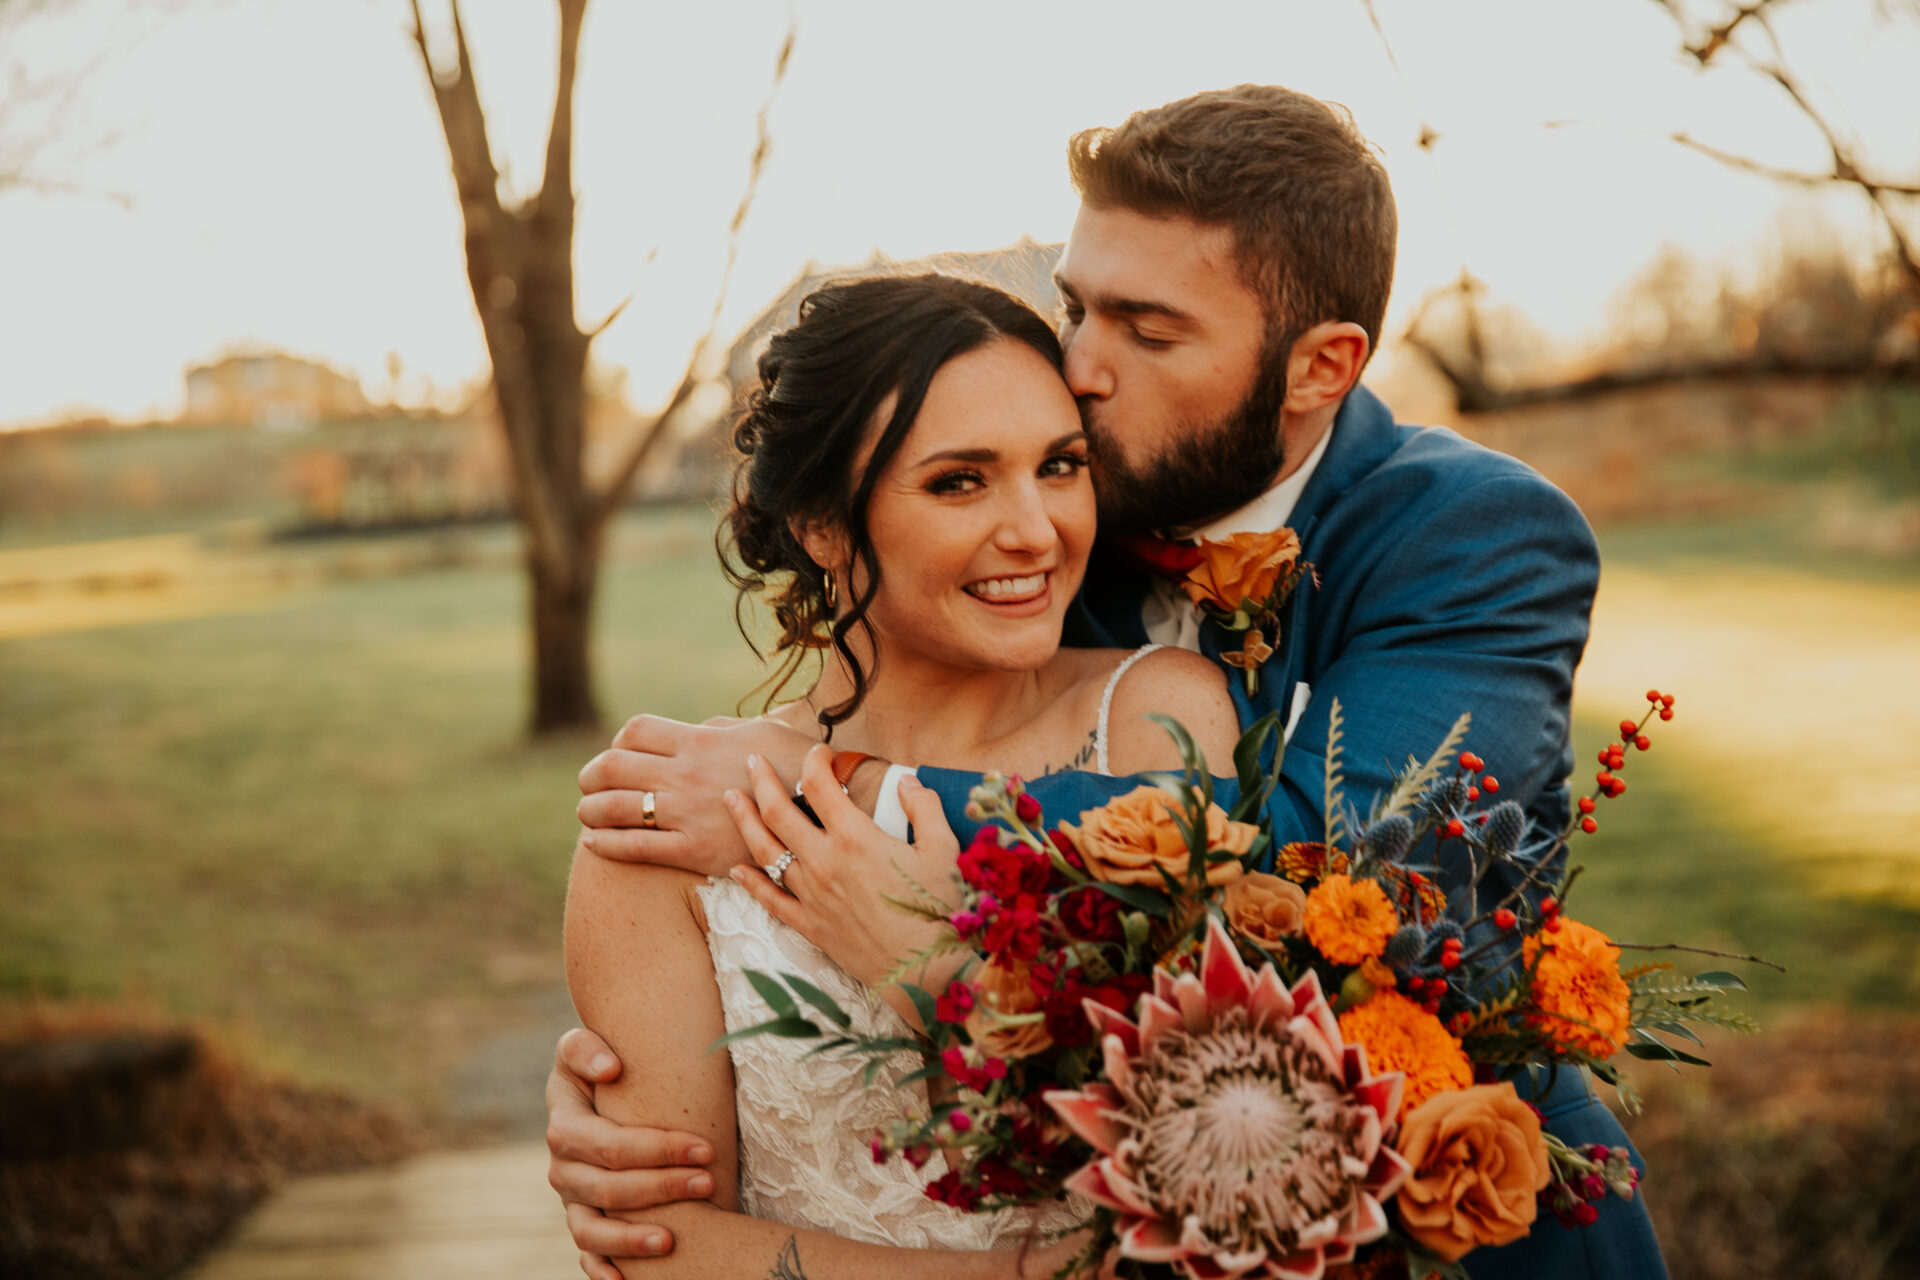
1405,947
1391,837
1506,827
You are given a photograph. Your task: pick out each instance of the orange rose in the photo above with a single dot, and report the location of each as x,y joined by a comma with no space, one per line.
1577,984
1265,908
1132,838
1478,1160
1006,989
1349,920
1241,566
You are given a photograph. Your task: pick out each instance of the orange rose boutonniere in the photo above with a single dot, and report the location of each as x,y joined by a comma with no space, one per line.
1243,581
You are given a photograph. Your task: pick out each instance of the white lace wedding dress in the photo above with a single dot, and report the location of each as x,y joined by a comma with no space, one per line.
806,1123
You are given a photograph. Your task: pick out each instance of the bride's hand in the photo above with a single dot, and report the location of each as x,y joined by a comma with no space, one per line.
834,889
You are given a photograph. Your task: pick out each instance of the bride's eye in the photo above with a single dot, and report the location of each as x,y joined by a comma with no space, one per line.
1063,464
958,481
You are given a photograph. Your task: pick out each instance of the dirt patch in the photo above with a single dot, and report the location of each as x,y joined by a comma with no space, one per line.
128,1148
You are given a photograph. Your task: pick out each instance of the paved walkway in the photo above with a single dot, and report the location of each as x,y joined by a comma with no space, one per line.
478,1215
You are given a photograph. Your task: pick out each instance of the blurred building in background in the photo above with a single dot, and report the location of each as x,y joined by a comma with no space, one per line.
270,389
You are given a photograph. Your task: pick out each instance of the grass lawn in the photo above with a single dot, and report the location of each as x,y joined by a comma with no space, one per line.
314,823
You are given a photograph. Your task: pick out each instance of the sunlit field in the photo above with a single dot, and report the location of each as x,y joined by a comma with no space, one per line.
300,806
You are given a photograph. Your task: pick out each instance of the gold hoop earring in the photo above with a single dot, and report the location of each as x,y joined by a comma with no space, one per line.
833,595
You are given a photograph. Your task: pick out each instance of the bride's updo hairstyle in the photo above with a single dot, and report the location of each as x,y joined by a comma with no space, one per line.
822,384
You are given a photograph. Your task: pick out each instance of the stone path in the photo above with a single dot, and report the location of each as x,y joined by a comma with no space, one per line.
478,1215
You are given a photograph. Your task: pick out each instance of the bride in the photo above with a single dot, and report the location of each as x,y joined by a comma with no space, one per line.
912,497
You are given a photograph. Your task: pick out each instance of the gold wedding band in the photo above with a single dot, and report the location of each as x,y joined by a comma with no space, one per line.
648,818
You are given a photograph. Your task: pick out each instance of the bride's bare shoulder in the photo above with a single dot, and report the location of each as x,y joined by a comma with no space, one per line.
1178,683
636,899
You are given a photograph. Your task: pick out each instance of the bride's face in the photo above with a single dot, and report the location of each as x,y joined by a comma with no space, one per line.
982,521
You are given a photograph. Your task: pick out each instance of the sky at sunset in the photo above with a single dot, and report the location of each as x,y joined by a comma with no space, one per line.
278,177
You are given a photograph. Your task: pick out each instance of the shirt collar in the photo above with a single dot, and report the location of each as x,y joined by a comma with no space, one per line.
1271,509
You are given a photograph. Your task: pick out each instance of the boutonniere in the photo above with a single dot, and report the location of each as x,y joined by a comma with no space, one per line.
1243,582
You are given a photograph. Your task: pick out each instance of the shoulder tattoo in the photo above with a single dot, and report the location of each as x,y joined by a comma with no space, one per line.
1081,758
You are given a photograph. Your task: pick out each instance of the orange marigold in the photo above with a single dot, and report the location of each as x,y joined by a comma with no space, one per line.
1349,920
1577,984
1401,1036
1302,861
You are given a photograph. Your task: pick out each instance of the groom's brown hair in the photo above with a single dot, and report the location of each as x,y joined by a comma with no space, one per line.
1307,200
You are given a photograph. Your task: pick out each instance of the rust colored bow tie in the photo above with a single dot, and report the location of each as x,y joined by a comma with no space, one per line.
1160,557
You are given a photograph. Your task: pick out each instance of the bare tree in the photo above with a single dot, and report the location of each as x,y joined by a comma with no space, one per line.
520,268
1460,350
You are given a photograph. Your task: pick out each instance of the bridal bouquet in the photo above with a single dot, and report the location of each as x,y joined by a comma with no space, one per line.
1278,1074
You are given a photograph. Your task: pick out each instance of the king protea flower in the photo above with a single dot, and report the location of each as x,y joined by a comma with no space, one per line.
1238,1135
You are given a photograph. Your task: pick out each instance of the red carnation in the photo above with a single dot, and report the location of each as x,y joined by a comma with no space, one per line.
1012,932
1002,870
1092,914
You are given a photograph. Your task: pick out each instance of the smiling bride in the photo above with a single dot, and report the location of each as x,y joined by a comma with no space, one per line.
912,498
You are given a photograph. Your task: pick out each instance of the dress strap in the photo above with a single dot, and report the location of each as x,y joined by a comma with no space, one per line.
1106,705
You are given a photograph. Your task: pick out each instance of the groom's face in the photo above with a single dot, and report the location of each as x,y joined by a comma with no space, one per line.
1166,354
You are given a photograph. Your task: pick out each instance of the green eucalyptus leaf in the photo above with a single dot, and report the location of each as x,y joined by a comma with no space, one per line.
820,1000
923,1003
1721,978
773,993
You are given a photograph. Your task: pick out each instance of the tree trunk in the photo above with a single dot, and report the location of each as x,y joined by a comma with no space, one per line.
562,601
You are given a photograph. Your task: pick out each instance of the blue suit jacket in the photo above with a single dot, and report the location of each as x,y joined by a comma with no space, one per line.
1451,579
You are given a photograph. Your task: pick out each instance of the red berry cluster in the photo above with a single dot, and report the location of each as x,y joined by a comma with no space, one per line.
1430,991
1488,784
1613,757
1550,912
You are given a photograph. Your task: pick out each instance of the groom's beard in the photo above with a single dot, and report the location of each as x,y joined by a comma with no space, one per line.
1214,468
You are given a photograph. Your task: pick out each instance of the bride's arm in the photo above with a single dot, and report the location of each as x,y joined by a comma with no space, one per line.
642,978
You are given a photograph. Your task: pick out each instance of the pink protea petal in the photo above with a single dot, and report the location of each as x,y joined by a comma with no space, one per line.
1269,1001
1163,984
1373,1222
1320,1233
1383,1094
1389,1170
1314,1036
1157,1017
1101,1183
1338,1255
1116,1060
1196,1011
1111,1022
1368,1143
1214,1266
1151,1240
1088,1115
1228,981
1310,1265
1311,1002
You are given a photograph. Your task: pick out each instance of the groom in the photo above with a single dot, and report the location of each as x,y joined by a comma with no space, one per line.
1225,284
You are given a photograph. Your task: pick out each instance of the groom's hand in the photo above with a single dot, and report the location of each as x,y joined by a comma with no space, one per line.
600,1167
688,768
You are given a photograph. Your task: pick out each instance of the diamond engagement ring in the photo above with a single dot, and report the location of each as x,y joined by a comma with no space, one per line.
777,872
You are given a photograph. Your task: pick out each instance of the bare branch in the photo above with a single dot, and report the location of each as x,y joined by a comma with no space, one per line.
655,429
491,240
1702,951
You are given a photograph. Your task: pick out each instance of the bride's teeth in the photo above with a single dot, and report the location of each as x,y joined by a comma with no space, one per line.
995,587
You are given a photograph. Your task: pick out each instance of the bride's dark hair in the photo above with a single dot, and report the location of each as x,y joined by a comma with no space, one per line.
822,383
